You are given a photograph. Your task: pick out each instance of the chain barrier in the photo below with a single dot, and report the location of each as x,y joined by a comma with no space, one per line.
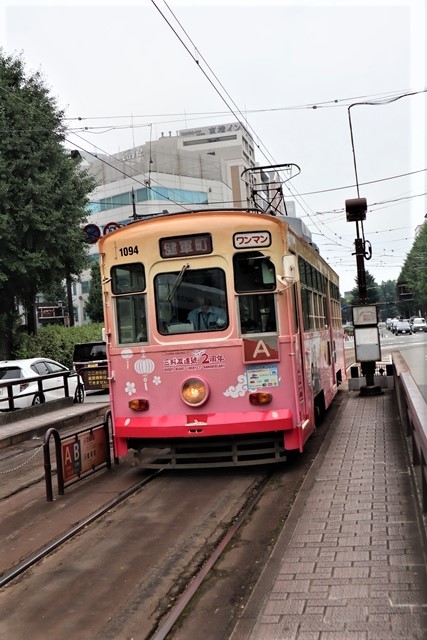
33,455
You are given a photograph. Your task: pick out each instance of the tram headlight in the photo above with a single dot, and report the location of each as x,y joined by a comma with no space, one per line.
194,392
260,397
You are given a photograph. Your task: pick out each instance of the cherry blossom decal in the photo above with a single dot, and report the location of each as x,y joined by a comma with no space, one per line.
130,388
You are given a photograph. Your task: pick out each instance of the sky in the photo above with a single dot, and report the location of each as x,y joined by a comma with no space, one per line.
296,73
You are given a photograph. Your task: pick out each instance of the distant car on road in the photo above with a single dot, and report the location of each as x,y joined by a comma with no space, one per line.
419,324
393,324
27,394
402,326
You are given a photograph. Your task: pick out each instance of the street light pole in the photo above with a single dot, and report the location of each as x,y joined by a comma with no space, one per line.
356,212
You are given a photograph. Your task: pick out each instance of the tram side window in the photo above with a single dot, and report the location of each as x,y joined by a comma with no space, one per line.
335,306
253,272
305,299
131,315
191,300
131,319
313,296
128,278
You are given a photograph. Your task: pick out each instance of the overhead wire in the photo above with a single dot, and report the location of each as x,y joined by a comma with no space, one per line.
295,194
209,114
63,137
259,144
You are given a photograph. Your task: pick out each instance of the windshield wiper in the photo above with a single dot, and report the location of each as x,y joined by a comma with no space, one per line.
177,282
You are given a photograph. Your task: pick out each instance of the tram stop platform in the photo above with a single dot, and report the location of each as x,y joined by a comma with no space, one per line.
350,563
33,422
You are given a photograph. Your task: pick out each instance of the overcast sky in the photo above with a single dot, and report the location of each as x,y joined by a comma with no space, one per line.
125,72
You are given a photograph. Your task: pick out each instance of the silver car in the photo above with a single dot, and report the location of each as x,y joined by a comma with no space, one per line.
402,326
27,394
419,325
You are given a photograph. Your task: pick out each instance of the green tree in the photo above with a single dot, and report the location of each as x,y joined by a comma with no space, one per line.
43,196
93,307
388,296
55,293
372,290
413,277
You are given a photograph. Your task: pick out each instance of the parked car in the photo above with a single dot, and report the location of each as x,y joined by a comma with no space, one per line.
418,324
393,324
90,361
27,394
402,326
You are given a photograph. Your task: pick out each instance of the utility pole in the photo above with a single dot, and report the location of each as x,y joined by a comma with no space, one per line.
365,317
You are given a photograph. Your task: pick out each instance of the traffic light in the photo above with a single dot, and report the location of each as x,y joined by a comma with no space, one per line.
356,209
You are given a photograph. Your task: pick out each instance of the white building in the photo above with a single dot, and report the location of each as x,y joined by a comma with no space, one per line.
197,168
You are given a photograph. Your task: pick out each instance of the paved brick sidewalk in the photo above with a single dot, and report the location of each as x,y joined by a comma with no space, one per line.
350,563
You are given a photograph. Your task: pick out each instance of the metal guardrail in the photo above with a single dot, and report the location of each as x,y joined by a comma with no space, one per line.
15,382
413,416
77,455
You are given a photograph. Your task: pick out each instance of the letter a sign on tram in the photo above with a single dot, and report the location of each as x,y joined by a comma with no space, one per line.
261,349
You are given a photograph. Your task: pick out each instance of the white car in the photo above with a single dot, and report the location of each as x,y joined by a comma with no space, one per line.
418,325
27,394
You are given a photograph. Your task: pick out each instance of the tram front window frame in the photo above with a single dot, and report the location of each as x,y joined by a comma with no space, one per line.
191,301
254,282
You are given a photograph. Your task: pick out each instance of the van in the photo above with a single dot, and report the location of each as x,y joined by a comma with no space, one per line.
90,361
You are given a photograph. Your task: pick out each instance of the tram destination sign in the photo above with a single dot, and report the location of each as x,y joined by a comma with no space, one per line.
191,245
251,239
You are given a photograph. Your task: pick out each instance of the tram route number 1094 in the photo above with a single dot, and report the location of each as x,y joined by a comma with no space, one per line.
129,251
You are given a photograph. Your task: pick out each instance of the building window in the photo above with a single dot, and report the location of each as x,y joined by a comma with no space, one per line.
148,194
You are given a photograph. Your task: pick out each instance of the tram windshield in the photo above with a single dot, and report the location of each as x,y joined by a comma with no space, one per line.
191,300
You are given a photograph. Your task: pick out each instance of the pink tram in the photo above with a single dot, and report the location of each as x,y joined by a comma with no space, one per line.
224,337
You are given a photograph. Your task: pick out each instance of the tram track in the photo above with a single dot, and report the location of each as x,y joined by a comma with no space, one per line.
31,560
120,538
156,560
174,615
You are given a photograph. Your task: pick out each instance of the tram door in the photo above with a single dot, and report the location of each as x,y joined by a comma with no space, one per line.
296,326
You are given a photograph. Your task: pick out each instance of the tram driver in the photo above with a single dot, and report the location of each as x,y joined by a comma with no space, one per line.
206,317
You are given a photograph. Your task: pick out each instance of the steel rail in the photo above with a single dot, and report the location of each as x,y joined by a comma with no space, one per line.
162,632
45,551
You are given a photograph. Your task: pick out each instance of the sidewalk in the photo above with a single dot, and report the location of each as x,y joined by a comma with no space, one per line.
350,562
25,424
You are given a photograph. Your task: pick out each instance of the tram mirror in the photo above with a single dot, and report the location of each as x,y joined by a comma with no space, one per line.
290,271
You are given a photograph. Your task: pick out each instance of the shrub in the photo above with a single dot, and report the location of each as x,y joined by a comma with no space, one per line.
56,342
